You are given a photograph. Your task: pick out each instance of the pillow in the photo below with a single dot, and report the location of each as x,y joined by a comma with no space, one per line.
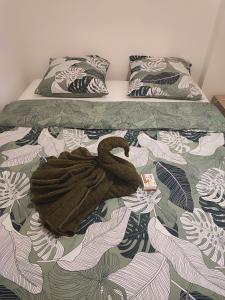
162,77
75,77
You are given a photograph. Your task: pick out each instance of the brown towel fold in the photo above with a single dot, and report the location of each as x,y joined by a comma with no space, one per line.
68,188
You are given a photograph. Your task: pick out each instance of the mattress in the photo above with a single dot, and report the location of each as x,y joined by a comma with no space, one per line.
117,92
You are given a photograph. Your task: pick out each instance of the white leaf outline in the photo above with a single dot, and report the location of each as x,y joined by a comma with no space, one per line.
202,232
211,186
175,141
97,86
14,263
142,201
43,241
159,149
13,187
75,138
147,276
21,155
186,258
52,146
98,239
208,144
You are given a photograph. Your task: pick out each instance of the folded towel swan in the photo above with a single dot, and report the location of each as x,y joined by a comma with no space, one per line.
65,190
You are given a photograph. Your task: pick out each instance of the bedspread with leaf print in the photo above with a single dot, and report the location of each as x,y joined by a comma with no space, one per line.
166,244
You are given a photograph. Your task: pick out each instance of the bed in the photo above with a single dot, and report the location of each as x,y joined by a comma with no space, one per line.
167,244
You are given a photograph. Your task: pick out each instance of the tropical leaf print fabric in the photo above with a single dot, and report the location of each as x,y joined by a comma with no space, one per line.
164,244
162,77
75,77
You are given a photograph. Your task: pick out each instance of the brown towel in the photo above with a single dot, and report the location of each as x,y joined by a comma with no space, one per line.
68,188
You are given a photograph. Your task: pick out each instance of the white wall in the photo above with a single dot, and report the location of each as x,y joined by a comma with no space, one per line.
13,77
113,29
214,81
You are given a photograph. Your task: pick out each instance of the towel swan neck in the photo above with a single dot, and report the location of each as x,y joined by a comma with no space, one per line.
120,167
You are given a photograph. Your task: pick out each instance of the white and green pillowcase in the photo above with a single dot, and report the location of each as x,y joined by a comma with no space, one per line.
75,77
162,77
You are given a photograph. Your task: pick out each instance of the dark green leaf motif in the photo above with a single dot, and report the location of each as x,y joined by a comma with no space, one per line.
54,131
89,284
175,179
96,134
136,236
196,295
137,57
217,212
95,74
162,78
131,137
6,294
96,216
80,85
6,128
67,58
30,138
141,92
16,225
194,136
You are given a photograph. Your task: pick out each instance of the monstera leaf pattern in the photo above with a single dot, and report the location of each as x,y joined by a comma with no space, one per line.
202,232
161,77
69,75
185,258
43,241
129,247
134,85
96,216
96,86
100,64
211,186
136,236
217,212
192,135
22,155
78,76
14,186
156,92
175,141
74,138
142,201
153,65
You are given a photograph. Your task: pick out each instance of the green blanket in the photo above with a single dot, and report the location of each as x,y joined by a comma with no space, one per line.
167,244
109,115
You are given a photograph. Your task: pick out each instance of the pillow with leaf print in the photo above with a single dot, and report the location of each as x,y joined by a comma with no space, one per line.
162,77
75,77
